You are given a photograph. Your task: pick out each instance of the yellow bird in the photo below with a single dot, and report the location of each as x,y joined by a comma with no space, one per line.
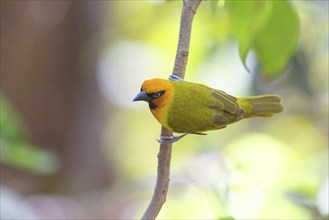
191,108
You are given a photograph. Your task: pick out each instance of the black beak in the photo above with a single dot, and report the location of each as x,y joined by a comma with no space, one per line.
142,96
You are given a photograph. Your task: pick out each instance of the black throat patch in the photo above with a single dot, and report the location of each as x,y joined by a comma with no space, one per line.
152,105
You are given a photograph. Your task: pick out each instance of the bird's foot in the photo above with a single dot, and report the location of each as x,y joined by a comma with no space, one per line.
170,139
173,77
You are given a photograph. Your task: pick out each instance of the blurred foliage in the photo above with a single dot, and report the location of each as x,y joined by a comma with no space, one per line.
227,218
11,128
273,168
262,159
271,28
16,151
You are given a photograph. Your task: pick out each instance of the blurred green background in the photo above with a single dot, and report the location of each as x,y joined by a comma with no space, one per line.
75,146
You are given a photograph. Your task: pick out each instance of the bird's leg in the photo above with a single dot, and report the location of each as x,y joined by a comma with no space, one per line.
173,77
170,139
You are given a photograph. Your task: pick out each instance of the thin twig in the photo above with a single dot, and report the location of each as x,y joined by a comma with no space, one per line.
164,155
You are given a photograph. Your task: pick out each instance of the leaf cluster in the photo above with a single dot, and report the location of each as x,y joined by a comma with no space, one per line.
270,28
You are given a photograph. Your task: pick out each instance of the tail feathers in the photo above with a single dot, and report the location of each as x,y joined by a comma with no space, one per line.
261,106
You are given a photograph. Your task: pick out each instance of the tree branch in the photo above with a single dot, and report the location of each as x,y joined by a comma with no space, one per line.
164,155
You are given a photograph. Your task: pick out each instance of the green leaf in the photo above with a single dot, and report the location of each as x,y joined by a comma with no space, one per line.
247,18
11,126
276,43
16,151
270,27
25,156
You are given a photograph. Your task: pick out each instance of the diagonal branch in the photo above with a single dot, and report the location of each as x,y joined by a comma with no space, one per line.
164,155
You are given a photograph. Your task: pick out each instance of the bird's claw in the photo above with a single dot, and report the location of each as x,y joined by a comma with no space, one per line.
170,139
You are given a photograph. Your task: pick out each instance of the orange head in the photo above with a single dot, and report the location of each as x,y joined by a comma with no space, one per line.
157,92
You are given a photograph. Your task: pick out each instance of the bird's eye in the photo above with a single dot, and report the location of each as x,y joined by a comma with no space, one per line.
157,95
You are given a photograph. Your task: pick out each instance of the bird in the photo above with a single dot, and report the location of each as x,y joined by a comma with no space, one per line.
194,108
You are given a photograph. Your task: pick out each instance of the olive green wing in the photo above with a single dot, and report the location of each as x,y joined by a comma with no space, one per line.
225,107
198,108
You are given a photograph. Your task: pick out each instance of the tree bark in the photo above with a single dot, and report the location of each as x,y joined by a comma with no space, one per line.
164,155
48,65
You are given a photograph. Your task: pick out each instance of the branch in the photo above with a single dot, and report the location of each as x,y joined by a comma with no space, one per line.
164,155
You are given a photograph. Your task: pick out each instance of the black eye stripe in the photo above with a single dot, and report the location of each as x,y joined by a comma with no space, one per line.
155,95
